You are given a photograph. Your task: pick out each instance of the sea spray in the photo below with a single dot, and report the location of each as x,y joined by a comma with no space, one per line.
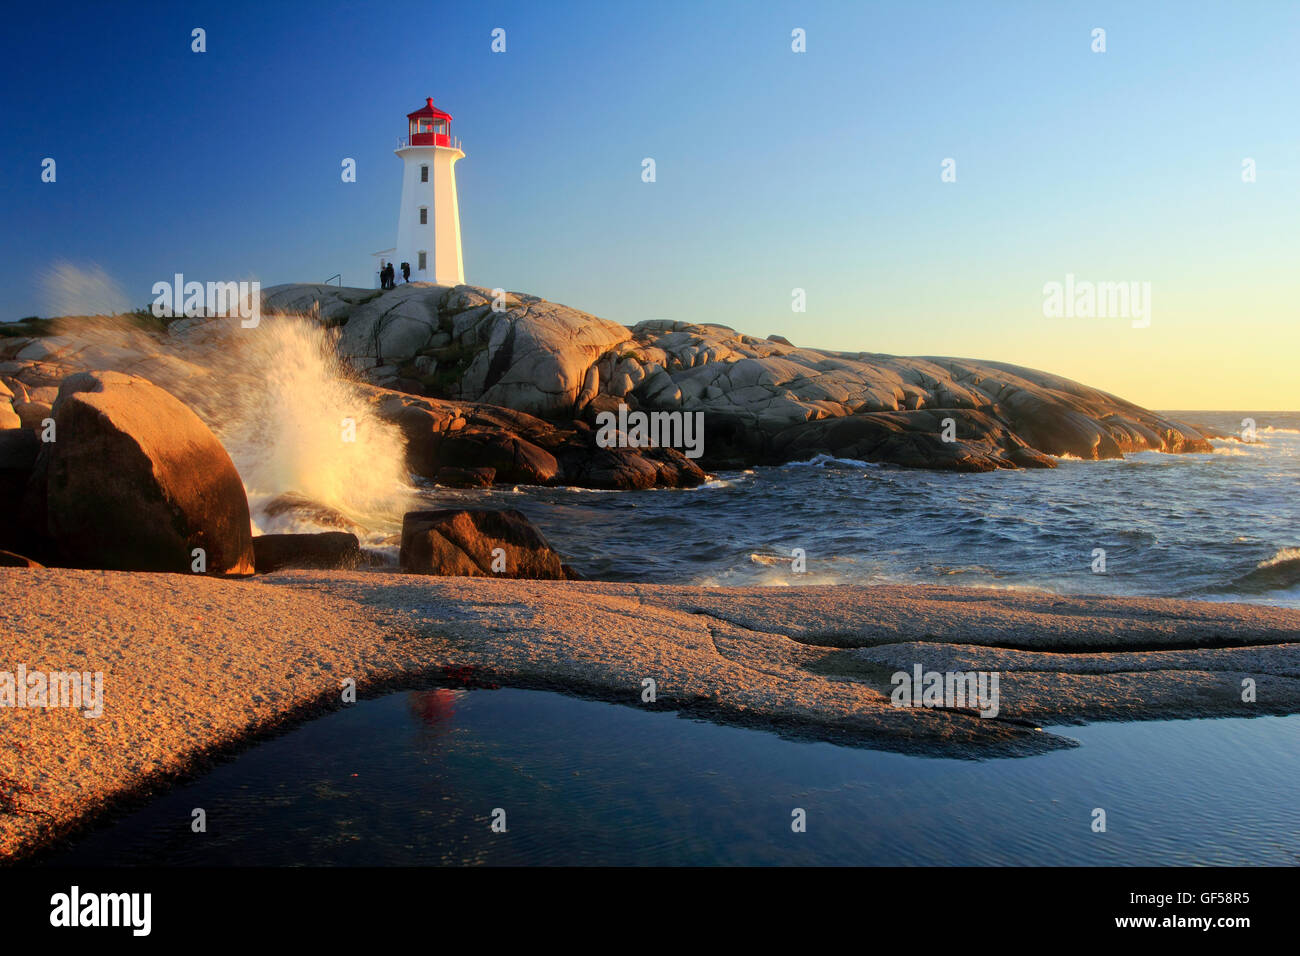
279,400
294,424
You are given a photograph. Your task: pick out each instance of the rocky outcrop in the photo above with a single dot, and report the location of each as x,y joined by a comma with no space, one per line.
199,360
326,549
329,303
478,543
507,382
764,400
452,477
521,449
465,343
912,439
8,417
389,331
134,481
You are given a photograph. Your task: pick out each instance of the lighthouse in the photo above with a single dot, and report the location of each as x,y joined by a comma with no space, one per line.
428,224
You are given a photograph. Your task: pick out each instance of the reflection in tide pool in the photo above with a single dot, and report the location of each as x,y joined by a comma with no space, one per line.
413,778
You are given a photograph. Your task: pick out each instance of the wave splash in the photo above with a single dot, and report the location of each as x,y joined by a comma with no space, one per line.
1281,572
311,450
279,400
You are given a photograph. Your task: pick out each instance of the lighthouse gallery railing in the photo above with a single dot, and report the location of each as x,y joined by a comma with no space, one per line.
405,141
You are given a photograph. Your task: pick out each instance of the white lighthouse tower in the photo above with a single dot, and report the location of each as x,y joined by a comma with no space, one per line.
428,224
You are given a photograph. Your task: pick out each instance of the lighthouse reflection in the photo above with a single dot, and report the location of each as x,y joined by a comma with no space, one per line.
434,710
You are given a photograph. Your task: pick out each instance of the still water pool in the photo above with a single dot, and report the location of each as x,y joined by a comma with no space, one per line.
413,778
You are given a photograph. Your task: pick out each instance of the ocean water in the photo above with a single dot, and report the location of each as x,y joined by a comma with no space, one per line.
1221,526
413,778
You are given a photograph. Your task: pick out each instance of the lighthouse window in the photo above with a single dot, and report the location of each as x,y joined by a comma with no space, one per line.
420,267
424,215
424,174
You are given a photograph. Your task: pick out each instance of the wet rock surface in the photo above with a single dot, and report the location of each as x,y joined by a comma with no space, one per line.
477,543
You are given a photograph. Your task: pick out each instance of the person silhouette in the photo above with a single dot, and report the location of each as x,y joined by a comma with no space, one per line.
406,272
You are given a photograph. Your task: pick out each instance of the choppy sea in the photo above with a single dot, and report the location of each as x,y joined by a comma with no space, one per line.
1220,526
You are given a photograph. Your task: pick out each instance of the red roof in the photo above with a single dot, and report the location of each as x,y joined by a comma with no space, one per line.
429,110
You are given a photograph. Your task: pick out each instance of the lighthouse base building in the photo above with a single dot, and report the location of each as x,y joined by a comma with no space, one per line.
428,223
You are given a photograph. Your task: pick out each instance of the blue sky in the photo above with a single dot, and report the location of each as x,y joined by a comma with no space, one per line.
775,170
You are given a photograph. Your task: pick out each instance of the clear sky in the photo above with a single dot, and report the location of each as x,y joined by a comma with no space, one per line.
775,170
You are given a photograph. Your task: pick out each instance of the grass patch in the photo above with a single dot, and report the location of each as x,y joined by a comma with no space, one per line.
31,327
35,327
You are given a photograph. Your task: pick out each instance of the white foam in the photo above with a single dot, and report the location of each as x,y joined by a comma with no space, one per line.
823,460
1282,557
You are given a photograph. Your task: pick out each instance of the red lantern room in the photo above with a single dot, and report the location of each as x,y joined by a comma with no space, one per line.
430,126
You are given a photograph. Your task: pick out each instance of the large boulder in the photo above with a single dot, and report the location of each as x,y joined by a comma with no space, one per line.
624,469
440,436
470,542
136,482
19,449
9,419
512,459
540,358
326,549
